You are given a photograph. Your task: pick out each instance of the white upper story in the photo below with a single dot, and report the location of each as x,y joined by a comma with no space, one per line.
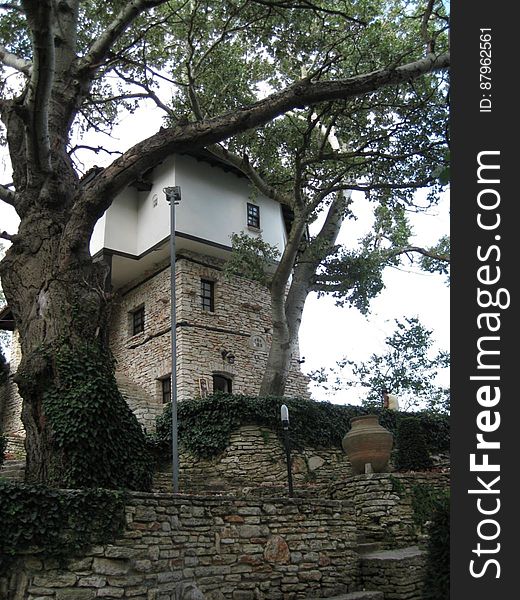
135,230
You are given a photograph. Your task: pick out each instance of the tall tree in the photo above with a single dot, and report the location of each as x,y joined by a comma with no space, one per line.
387,145
71,66
408,367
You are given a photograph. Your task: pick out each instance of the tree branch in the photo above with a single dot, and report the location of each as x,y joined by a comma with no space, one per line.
418,250
243,165
39,18
7,195
15,62
104,43
98,196
7,236
307,5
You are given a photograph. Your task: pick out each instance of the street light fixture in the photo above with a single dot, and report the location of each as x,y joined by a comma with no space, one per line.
284,413
173,196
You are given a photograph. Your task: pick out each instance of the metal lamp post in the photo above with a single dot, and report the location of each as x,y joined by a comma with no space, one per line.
284,413
173,196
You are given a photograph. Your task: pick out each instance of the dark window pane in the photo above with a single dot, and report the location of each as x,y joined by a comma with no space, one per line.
253,215
222,384
138,321
166,385
207,294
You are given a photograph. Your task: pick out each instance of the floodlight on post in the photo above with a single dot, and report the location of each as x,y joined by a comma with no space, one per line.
173,196
284,414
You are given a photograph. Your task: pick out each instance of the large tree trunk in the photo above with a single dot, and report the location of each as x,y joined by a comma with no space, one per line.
287,309
73,418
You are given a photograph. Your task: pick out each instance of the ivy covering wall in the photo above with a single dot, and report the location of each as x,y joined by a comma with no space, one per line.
205,425
61,523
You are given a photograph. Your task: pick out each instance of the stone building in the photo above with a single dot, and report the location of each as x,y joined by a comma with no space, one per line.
223,322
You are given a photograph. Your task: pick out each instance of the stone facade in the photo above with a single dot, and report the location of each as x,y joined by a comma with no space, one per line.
383,501
240,324
196,548
11,405
254,463
399,574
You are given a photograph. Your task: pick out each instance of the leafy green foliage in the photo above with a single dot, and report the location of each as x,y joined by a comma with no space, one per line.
62,523
425,499
407,368
251,257
431,265
98,438
437,576
412,453
205,425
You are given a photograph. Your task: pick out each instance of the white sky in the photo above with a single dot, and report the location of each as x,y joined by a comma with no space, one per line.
328,333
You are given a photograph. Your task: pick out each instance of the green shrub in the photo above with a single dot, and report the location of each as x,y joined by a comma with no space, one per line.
62,523
437,576
205,425
412,452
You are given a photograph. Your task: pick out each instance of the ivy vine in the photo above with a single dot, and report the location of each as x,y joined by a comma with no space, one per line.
98,440
61,523
205,425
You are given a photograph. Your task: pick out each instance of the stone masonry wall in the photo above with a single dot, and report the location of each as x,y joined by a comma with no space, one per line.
200,548
383,501
254,463
240,323
399,574
11,404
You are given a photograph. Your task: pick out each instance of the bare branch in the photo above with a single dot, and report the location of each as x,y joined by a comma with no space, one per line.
7,236
95,149
418,250
116,98
307,5
7,195
104,43
427,38
149,92
15,62
250,172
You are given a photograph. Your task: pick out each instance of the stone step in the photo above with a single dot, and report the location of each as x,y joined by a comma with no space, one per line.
368,547
13,463
13,469
398,573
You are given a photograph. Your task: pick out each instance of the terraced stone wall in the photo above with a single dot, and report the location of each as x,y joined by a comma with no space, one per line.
200,548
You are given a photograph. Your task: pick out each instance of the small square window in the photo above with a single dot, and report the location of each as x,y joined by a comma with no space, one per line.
137,321
166,389
253,216
207,294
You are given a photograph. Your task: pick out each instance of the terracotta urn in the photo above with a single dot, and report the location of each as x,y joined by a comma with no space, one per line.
368,443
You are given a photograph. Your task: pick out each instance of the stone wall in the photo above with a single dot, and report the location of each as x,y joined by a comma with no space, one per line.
11,404
383,501
200,548
399,574
240,323
254,463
